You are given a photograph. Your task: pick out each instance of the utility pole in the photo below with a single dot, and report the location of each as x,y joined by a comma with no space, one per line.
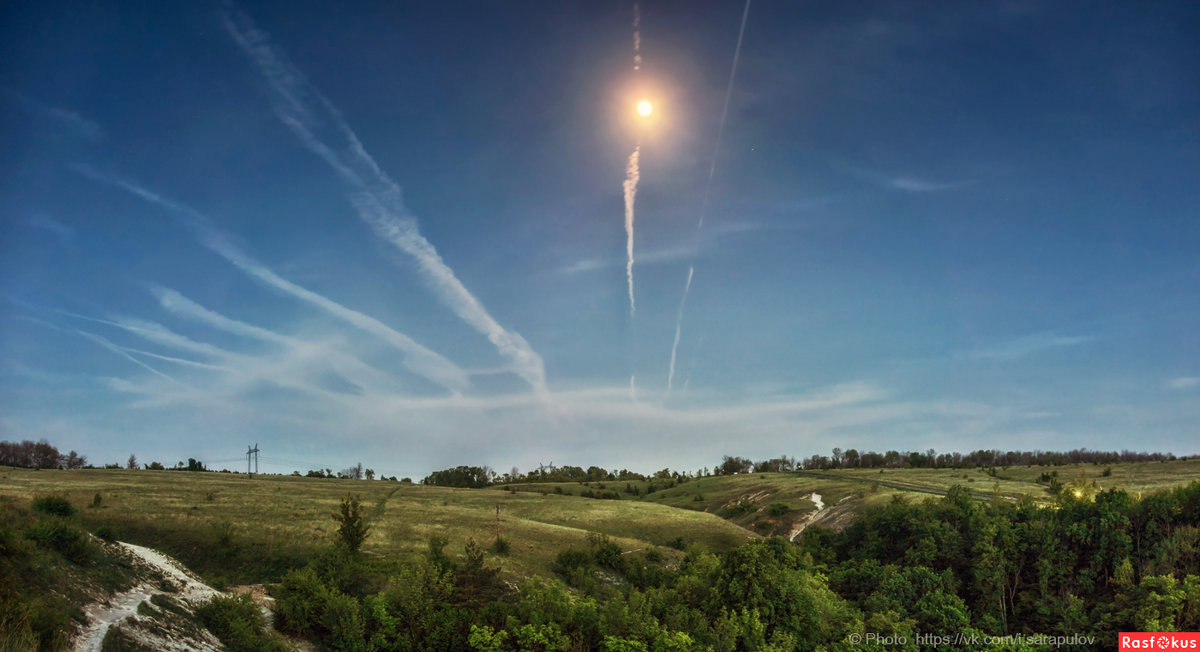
497,521
254,452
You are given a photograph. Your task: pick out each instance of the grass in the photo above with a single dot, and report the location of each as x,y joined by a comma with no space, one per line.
233,529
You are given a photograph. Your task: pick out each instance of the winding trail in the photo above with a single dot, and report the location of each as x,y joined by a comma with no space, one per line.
103,615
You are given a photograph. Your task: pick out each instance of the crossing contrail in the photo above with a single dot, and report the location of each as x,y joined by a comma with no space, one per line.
712,167
678,327
630,185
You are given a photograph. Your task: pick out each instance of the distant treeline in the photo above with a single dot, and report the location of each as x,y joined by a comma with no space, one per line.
474,477
39,455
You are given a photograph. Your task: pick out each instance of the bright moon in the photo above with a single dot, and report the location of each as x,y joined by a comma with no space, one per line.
645,108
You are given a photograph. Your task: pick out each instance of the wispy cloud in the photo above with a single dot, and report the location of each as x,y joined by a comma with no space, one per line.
418,359
913,184
76,123
905,182
1183,383
1029,345
376,197
64,233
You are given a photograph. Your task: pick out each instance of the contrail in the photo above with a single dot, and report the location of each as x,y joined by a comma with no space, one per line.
121,352
630,185
712,168
637,37
418,359
633,388
375,196
678,327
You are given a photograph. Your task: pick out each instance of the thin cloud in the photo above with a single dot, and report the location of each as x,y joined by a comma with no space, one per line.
64,233
376,198
905,182
1183,383
1029,345
73,121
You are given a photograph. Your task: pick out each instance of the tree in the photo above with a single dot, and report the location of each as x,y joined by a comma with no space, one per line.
132,463
370,474
352,528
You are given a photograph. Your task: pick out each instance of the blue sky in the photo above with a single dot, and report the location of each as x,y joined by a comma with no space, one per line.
397,234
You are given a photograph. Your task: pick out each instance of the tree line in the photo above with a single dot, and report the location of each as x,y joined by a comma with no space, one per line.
38,455
475,477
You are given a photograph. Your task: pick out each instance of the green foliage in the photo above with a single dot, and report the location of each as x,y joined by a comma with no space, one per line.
238,623
352,526
56,533
775,510
467,477
501,546
56,505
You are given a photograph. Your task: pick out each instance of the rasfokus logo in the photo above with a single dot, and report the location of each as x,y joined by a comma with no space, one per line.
1159,641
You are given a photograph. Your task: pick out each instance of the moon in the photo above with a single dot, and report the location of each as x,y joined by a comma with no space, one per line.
645,108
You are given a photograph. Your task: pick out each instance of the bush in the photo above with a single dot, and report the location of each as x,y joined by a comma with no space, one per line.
501,546
778,509
238,623
56,505
570,559
55,533
352,526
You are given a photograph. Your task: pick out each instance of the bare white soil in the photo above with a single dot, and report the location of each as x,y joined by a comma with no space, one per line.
808,518
121,609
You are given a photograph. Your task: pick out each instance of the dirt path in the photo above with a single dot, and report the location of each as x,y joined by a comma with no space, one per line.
183,586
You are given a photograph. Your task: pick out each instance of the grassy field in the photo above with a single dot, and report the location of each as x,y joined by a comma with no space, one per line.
854,488
274,522
203,517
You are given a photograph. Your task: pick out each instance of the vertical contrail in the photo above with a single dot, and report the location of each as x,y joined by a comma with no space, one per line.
637,37
678,327
630,185
633,388
712,168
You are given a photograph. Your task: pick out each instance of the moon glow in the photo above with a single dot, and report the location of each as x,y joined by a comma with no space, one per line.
645,108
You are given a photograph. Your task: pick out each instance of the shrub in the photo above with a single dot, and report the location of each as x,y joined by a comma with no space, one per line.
107,532
56,505
778,509
677,543
96,500
55,533
238,623
352,526
570,559
654,555
501,546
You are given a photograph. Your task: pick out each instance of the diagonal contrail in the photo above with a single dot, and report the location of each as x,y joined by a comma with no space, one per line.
418,359
375,196
712,168
678,327
630,186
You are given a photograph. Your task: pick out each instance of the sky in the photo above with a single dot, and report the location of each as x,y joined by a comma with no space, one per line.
397,234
